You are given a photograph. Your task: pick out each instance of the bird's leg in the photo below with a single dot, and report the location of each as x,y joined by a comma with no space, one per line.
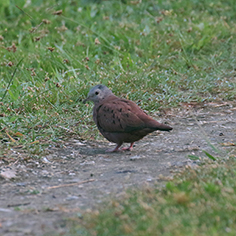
130,148
116,149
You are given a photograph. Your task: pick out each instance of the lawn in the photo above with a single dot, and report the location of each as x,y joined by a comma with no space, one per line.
197,202
157,53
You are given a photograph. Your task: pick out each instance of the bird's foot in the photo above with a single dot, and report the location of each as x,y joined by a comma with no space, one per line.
130,148
113,150
116,149
127,149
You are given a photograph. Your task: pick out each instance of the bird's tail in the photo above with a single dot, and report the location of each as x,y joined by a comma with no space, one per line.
164,127
158,126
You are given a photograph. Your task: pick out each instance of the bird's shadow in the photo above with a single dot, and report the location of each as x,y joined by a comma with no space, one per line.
90,151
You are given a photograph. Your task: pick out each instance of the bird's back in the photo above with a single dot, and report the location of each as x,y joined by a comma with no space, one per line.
114,114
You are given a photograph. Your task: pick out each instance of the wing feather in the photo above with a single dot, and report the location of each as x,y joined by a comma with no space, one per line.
118,116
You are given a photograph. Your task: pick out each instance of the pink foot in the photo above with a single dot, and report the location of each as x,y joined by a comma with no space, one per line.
116,149
127,149
113,150
130,148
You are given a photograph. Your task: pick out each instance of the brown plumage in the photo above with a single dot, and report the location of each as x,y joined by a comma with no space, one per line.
120,120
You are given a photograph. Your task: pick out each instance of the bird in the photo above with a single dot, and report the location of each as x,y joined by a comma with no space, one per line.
120,120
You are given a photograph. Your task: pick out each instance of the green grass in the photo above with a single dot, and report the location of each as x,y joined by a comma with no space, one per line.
197,202
157,53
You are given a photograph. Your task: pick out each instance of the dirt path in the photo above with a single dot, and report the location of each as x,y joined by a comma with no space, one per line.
47,191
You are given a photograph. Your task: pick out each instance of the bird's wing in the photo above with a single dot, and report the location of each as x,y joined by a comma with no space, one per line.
119,116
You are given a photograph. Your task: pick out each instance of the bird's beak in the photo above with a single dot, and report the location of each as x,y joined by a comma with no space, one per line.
85,100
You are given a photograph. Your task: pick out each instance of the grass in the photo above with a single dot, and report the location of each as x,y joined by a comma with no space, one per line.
198,201
157,53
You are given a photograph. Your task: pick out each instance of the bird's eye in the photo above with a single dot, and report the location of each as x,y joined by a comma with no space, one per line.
96,93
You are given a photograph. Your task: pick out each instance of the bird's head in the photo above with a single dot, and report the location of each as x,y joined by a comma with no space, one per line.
98,93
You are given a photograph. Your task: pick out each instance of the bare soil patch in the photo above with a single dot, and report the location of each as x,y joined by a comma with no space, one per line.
46,191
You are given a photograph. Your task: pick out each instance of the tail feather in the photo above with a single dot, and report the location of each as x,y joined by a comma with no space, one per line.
164,127
152,124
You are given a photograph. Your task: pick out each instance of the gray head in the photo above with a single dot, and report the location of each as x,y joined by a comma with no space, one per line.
97,93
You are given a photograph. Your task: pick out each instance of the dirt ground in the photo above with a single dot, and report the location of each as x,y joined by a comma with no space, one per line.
37,196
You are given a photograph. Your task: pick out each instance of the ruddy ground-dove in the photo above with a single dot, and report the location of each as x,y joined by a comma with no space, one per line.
120,120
